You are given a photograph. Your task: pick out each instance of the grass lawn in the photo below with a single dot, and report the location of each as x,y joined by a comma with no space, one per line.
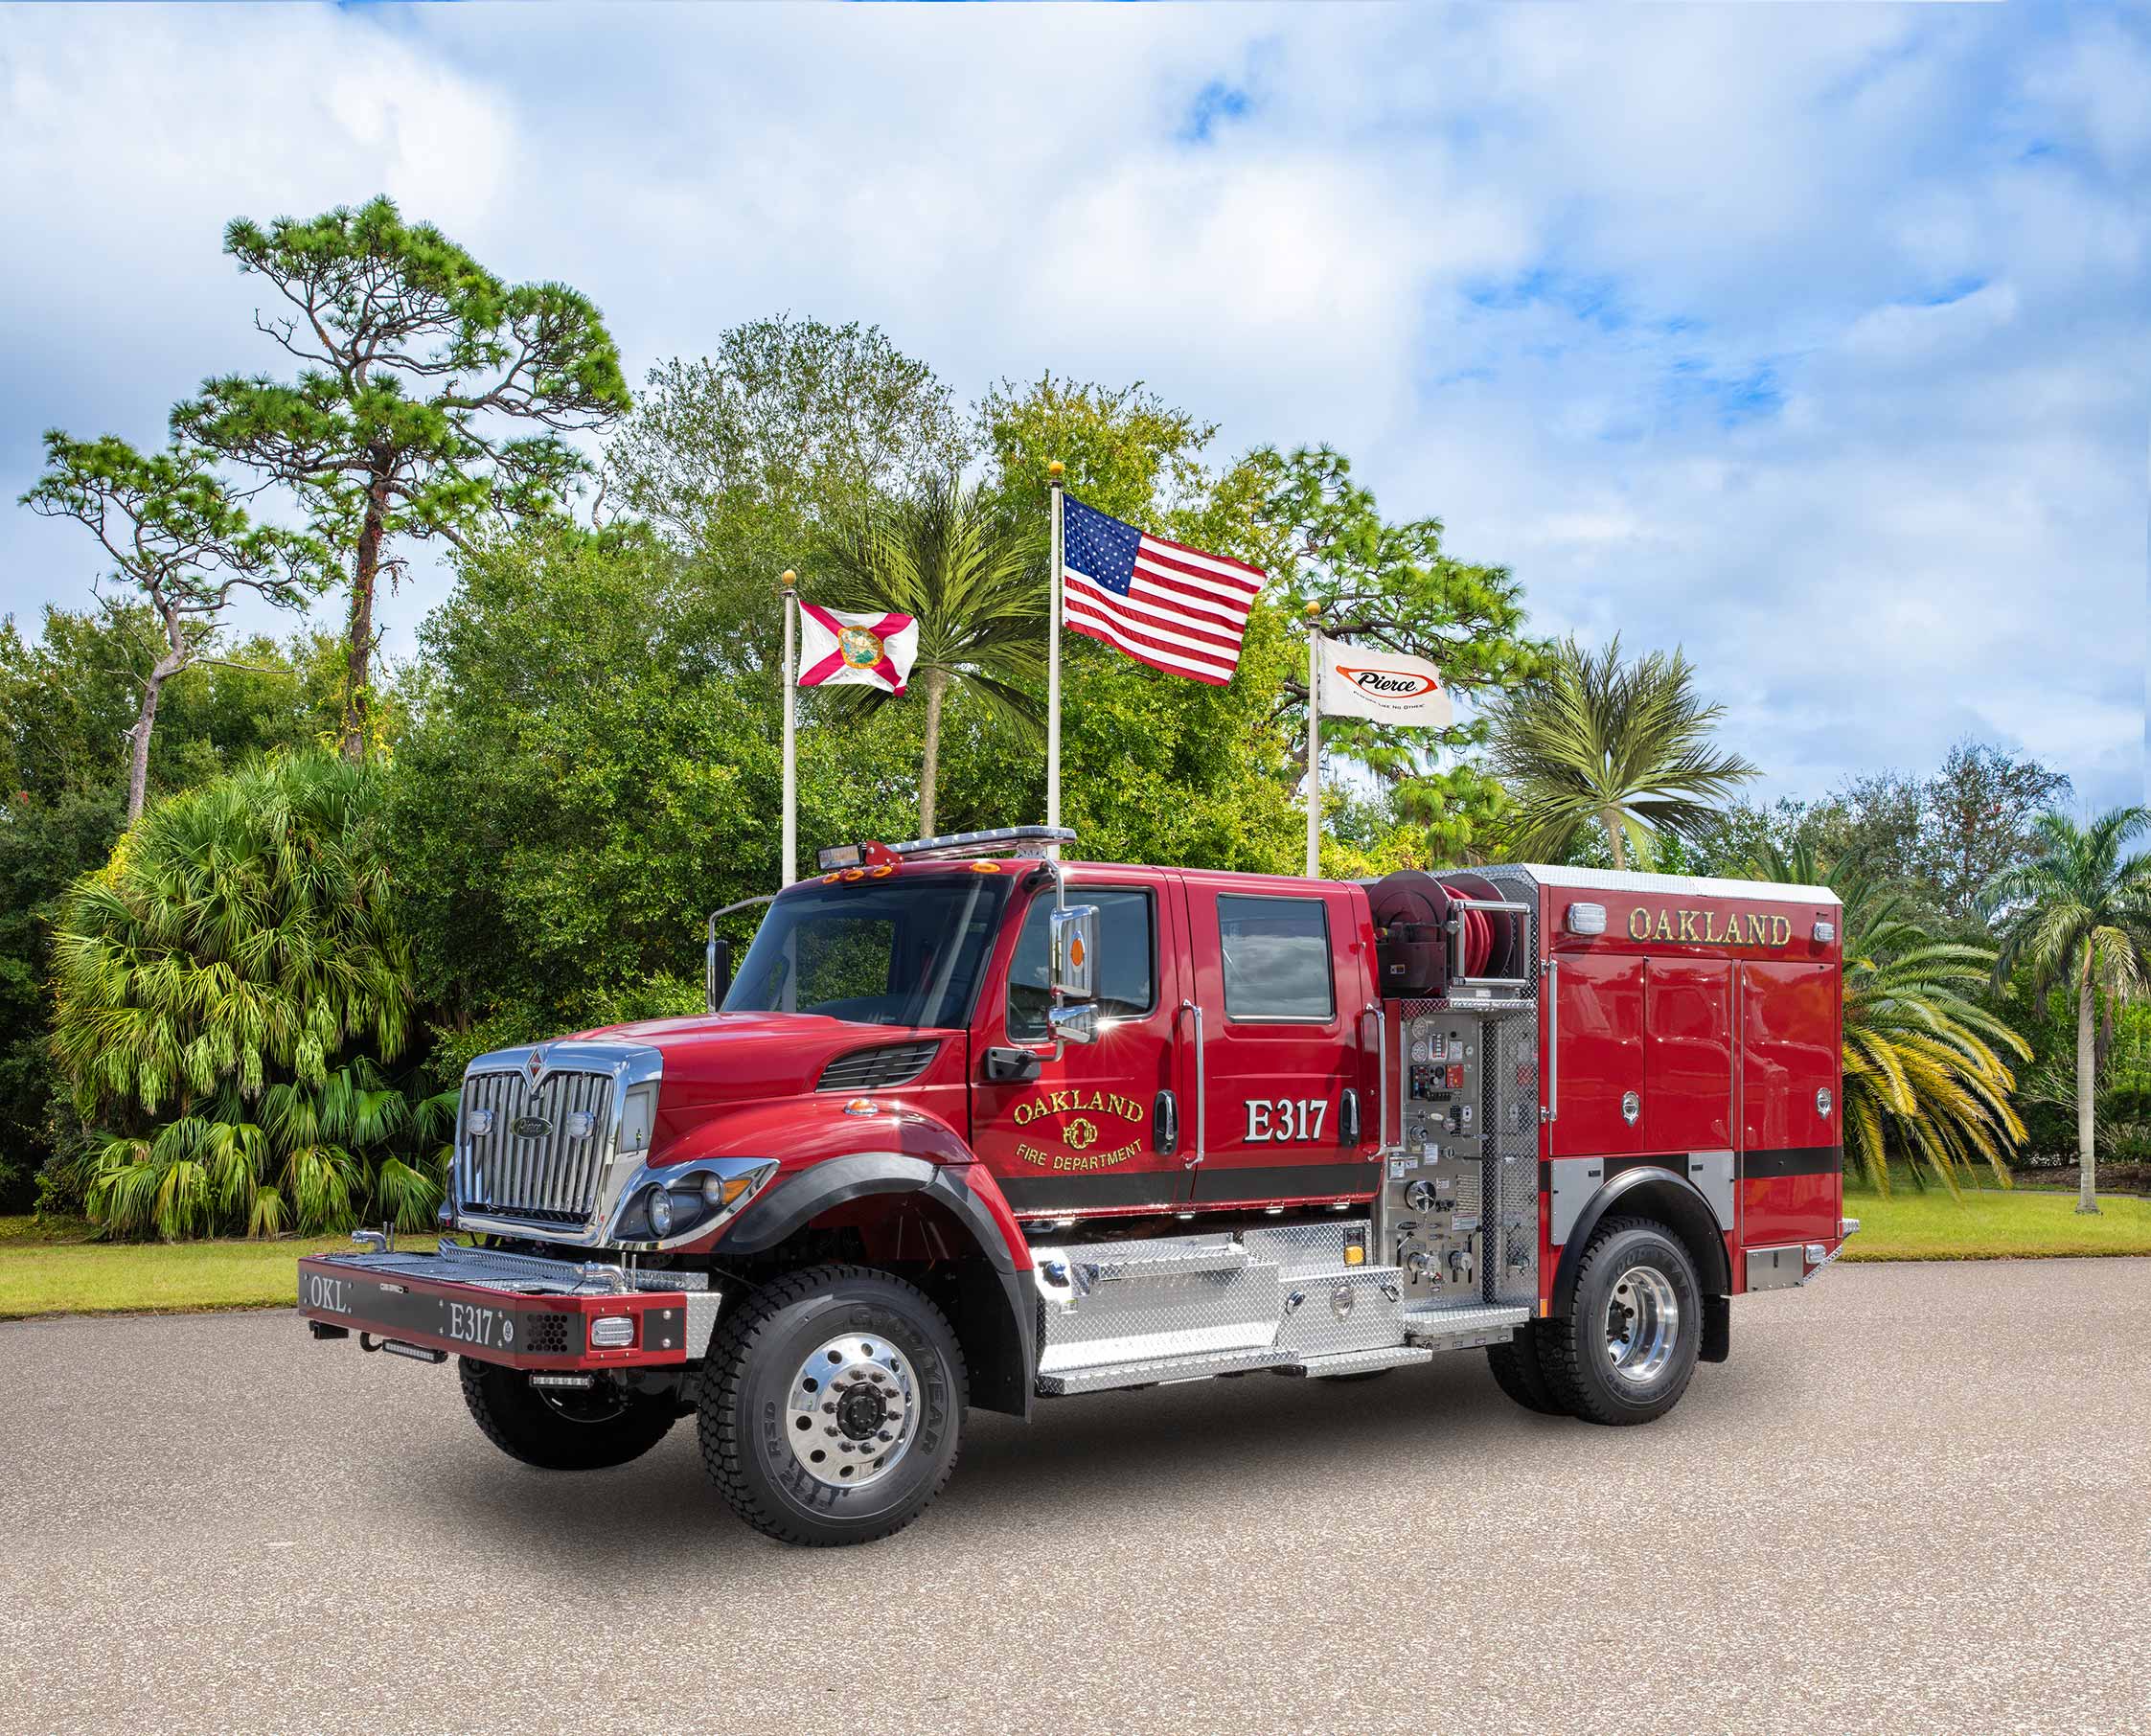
57,1270
1992,1223
46,1269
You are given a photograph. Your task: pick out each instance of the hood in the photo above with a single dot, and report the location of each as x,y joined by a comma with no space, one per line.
747,1057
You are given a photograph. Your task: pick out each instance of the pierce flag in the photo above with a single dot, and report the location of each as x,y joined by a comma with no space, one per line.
844,647
1385,686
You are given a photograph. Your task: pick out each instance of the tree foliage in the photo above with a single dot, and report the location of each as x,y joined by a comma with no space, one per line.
1392,585
180,543
1625,747
748,460
583,782
229,991
1924,1073
2078,916
977,589
417,366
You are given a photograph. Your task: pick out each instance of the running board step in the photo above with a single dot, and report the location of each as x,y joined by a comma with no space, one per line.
1088,1265
1162,1371
1462,1328
1362,1362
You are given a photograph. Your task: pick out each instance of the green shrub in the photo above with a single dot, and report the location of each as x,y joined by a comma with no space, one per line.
232,990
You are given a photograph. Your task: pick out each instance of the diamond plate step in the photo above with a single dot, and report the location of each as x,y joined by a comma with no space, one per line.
1161,1370
1362,1362
1462,1328
1154,1257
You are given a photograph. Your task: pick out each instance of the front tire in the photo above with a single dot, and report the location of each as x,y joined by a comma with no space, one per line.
1625,1349
564,1428
831,1406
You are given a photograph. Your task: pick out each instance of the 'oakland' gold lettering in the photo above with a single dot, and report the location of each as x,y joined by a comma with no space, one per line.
1754,930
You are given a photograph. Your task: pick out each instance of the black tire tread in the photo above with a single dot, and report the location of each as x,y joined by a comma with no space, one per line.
729,1353
1518,1373
1560,1353
579,1447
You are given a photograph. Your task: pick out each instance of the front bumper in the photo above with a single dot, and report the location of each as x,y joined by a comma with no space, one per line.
516,1310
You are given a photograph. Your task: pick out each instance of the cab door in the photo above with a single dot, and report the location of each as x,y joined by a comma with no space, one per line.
1103,1127
1290,1062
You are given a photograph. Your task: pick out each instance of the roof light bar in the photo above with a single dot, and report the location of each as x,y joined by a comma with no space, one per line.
1000,840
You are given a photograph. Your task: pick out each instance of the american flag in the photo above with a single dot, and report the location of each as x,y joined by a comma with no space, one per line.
1163,604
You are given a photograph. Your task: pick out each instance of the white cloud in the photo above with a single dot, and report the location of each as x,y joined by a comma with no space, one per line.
1813,341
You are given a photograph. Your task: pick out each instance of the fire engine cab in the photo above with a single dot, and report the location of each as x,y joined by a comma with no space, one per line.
972,1125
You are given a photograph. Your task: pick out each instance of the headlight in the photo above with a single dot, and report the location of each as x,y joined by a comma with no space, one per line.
659,1207
612,1332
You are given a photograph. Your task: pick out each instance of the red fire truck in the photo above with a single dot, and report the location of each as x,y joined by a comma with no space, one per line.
974,1125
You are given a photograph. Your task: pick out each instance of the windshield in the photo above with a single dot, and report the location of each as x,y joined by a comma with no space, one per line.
905,951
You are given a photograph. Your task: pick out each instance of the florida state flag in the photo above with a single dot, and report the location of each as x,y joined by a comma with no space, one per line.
837,647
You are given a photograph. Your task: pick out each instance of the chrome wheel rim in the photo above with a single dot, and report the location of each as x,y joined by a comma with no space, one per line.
1642,1324
853,1412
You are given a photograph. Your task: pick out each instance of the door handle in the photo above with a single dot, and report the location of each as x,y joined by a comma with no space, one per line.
1348,1118
1165,1123
1200,1094
1011,1066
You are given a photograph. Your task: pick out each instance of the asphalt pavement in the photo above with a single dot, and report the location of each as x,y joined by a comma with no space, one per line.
1917,1500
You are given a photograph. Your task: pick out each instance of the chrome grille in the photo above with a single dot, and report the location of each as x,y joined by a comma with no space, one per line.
876,1069
548,1177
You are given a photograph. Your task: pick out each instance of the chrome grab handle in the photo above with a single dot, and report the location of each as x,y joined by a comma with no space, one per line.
1381,1072
1553,1039
1201,1093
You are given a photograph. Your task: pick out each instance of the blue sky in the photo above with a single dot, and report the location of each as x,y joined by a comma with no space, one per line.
1812,340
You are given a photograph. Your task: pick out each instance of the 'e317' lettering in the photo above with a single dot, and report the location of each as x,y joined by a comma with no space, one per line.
1286,1118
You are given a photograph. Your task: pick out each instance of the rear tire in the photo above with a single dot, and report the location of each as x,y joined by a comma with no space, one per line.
562,1428
1625,1349
831,1406
1517,1372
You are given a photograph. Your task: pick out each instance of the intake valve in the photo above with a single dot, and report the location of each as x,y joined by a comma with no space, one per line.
1460,1265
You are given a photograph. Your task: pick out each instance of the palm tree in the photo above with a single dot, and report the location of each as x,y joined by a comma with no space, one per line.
1922,1071
1623,747
979,594
227,991
2079,914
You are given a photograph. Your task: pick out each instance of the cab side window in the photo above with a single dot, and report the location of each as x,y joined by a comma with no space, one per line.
1277,964
1127,959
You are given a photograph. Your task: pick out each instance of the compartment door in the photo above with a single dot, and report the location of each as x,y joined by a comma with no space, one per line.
1792,1149
1688,1065
1597,1033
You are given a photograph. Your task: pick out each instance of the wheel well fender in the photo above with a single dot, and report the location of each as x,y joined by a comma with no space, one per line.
1667,1199
994,1305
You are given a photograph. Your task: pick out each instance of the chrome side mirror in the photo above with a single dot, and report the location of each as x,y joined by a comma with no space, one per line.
1073,974
1073,1024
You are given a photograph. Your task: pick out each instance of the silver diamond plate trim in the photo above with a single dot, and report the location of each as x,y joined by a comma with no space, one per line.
1162,1370
1458,1328
1373,1321
702,1322
1364,1362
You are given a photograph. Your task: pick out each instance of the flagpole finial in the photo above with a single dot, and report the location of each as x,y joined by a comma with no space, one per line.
790,579
1054,468
1313,610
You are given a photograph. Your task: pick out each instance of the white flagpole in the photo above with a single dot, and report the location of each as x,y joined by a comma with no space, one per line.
1053,664
1314,743
787,869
